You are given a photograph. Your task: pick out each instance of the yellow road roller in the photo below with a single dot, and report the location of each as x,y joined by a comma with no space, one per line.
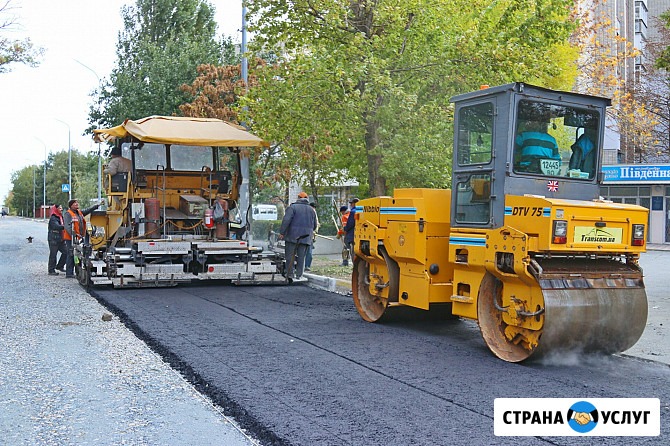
522,242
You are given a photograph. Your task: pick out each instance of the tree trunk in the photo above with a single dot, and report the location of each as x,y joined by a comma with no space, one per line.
312,179
376,181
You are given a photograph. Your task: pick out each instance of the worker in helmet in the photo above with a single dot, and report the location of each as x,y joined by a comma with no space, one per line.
350,228
344,217
297,229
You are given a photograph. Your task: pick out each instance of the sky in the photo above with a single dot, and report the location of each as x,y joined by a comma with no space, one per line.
34,101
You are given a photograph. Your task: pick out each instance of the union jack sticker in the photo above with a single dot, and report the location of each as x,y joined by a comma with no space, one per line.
552,186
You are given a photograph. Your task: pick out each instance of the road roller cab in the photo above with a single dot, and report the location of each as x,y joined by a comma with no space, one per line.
522,243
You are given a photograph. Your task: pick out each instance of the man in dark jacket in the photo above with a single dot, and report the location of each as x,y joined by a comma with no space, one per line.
56,242
297,229
350,228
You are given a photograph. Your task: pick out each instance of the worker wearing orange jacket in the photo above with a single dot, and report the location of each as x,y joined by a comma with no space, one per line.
75,228
344,217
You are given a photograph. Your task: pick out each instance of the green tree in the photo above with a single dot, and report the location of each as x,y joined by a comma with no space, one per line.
22,191
663,56
13,50
84,181
369,81
84,177
159,49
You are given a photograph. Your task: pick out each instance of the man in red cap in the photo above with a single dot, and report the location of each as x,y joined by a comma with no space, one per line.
297,229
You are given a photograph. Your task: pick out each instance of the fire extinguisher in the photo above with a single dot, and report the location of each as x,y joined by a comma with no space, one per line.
209,218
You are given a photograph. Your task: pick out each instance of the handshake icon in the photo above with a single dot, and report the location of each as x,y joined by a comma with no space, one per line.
582,418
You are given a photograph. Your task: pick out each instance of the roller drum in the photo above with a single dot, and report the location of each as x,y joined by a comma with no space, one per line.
588,306
603,319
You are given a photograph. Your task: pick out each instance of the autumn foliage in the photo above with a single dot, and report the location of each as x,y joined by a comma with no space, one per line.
604,70
216,91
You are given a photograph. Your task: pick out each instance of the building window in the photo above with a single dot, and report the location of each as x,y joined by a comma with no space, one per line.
629,194
623,191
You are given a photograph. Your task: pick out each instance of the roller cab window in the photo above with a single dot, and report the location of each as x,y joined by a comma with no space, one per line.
475,134
473,199
555,140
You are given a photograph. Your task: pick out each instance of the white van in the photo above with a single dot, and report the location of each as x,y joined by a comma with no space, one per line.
264,212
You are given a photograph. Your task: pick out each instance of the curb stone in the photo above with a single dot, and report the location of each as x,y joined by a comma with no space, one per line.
333,285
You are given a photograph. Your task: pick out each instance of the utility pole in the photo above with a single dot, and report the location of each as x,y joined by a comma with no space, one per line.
33,191
69,161
244,45
44,185
245,196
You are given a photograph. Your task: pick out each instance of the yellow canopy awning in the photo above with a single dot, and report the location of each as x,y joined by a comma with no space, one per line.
182,130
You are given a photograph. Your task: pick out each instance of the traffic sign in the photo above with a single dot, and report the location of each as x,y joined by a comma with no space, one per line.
65,187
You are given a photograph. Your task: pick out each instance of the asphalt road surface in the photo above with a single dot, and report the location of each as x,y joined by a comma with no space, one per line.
294,365
298,366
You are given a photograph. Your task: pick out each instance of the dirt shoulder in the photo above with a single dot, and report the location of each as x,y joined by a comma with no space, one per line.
324,266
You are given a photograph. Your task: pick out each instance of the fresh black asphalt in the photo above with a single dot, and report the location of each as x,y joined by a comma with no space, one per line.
295,365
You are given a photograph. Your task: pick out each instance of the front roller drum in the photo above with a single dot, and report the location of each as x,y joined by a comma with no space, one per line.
605,319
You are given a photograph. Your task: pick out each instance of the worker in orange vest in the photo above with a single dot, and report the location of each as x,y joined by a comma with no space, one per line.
344,216
75,228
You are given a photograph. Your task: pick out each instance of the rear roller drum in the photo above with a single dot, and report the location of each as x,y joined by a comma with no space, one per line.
370,307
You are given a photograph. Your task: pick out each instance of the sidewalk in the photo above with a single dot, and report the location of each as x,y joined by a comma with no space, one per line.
658,247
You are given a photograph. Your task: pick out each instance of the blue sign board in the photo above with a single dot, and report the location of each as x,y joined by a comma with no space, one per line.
637,173
657,203
65,187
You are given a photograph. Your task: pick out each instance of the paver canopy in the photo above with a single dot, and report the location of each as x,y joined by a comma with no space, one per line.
183,130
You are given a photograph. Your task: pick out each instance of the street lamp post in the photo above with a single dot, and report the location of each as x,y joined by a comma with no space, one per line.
245,196
44,178
69,161
98,125
33,191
